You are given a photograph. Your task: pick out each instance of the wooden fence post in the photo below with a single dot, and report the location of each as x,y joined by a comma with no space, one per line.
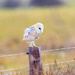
35,64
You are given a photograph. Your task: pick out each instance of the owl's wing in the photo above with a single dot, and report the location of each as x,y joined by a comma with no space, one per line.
28,31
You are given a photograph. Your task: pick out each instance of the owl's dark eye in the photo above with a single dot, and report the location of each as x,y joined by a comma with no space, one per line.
40,28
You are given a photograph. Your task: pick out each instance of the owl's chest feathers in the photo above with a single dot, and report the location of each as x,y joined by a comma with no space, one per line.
35,35
32,36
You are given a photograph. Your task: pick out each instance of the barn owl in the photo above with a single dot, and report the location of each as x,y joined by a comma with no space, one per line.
32,33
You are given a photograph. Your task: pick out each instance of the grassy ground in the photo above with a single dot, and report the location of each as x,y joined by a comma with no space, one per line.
59,32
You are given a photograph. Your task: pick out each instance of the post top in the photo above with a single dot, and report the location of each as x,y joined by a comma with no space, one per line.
34,51
33,47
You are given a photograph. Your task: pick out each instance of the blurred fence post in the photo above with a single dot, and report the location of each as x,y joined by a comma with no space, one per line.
35,64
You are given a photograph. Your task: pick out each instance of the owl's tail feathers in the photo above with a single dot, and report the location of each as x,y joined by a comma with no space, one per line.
23,38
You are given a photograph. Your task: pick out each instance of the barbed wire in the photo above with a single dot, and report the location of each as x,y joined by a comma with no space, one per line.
28,66
41,51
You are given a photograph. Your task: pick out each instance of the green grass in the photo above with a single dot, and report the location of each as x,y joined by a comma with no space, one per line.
13,22
59,30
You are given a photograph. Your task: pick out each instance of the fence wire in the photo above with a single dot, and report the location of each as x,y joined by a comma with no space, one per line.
16,73
44,64
14,69
12,55
60,49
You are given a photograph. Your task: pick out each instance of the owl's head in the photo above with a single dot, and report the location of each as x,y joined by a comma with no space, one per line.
39,27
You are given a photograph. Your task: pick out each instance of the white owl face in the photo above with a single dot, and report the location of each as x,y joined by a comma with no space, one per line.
39,28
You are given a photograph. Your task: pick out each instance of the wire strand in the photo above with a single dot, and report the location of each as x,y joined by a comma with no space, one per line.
14,69
12,55
61,62
60,49
28,66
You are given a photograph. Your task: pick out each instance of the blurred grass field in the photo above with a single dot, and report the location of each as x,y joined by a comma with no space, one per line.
59,30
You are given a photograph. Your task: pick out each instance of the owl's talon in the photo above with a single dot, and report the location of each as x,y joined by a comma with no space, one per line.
34,45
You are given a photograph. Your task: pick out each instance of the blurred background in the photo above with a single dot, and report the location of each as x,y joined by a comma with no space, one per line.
58,17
